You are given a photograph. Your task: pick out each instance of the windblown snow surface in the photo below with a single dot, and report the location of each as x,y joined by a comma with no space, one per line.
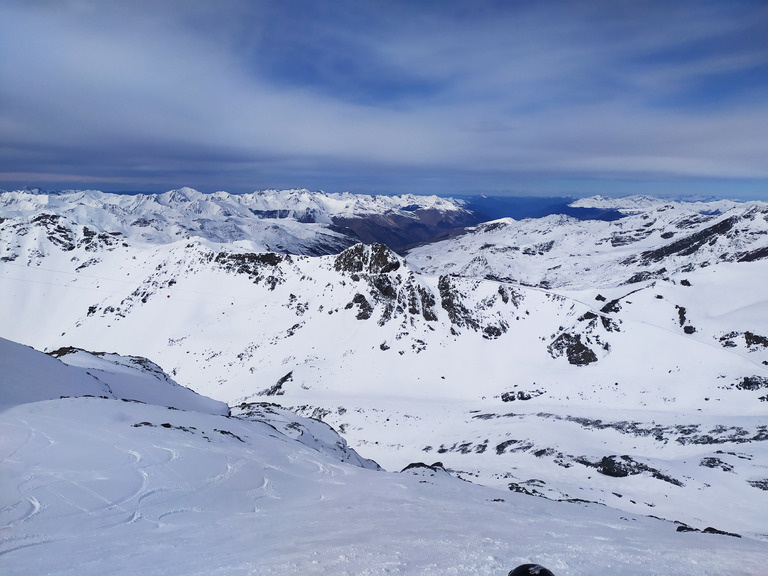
596,392
100,485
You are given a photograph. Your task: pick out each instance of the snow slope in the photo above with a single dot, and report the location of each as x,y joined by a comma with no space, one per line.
94,486
648,396
655,240
86,374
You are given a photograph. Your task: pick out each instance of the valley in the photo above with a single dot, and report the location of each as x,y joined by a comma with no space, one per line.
622,362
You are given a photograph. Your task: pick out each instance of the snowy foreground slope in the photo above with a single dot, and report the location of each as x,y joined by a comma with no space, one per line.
93,485
622,363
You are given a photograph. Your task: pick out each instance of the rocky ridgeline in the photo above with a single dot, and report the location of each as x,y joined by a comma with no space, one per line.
655,242
383,281
287,221
398,292
59,231
386,288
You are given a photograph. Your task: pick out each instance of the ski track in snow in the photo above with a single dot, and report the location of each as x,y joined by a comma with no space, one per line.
274,507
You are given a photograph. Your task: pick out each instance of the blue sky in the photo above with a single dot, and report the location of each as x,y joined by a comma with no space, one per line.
449,97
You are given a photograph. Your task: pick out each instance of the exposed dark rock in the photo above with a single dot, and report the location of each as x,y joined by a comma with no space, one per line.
520,395
759,254
625,237
365,310
384,285
726,340
609,325
618,467
63,351
258,267
373,259
528,487
398,293
622,466
513,446
712,462
228,433
93,241
492,332
708,530
690,244
277,389
166,425
578,353
451,301
645,275
759,484
754,340
436,467
427,304
57,233
538,249
509,295
612,306
752,383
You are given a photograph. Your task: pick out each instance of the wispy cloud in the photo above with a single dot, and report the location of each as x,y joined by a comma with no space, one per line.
455,96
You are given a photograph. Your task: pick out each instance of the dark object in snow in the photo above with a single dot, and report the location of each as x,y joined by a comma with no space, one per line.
578,353
436,467
623,466
708,530
752,383
528,569
277,389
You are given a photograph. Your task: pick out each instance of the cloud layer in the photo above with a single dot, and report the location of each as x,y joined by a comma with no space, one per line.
530,97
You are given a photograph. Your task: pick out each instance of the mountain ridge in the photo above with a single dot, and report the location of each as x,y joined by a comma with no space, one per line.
438,353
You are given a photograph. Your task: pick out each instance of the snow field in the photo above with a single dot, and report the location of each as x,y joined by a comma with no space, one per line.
664,393
87,491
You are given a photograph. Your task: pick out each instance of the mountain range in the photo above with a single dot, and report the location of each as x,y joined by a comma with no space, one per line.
619,357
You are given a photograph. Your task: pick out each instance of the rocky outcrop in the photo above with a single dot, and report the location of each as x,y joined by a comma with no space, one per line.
573,348
373,259
623,466
259,268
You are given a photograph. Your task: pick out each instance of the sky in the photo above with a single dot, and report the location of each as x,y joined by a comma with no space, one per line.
441,97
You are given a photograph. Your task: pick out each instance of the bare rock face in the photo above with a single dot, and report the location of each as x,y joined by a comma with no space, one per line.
571,345
373,259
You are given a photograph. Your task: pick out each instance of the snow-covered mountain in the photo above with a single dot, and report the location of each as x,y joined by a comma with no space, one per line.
654,241
94,485
618,362
288,221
